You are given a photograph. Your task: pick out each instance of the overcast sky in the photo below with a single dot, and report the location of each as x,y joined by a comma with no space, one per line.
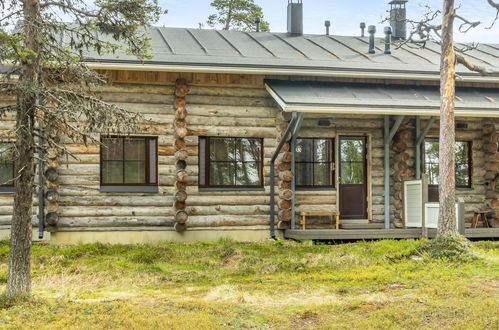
345,15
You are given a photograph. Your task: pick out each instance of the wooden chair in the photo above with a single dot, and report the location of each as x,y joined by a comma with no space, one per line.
480,216
335,218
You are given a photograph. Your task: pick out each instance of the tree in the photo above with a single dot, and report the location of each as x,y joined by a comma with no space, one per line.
52,89
424,31
237,15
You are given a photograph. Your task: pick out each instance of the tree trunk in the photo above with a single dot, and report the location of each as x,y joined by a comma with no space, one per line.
19,273
447,215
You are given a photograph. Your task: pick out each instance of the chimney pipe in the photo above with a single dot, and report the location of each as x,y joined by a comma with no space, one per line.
327,24
295,17
388,39
398,19
372,31
257,23
362,29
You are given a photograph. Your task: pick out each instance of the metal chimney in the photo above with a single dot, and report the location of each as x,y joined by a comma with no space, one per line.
327,24
295,17
257,23
372,31
362,29
398,19
388,39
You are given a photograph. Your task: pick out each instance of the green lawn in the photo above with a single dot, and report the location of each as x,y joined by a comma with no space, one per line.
283,285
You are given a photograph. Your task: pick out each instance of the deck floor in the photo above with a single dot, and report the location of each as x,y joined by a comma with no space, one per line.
329,234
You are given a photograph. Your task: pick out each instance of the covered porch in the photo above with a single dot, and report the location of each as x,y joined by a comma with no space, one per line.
388,126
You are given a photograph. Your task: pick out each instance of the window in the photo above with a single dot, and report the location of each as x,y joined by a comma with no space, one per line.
463,162
314,163
6,165
226,162
129,161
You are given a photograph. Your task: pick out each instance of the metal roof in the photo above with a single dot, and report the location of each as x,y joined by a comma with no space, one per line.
276,52
379,99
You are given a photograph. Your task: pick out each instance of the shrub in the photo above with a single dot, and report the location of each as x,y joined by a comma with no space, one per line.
455,248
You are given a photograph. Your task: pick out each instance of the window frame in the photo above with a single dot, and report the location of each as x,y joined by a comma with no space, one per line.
332,151
206,164
470,161
147,162
9,187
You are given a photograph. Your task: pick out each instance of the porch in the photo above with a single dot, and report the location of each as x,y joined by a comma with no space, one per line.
382,213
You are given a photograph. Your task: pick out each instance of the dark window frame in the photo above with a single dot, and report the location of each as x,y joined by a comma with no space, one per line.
332,164
147,162
470,161
206,164
10,185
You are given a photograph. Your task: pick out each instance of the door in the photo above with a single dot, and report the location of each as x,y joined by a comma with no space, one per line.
353,177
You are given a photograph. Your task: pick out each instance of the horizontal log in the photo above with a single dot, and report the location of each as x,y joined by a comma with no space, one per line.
101,211
489,128
229,210
115,221
222,221
121,201
232,111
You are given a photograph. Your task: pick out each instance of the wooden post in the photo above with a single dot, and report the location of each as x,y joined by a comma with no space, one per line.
181,155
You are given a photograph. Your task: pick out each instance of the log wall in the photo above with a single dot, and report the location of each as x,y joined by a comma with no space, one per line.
218,105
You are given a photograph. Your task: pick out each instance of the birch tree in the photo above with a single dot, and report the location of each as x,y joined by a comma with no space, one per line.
51,85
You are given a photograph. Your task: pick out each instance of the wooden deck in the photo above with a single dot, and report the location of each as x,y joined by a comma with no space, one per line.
345,234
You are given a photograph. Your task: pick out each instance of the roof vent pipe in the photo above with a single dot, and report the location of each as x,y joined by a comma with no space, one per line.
327,24
257,23
398,19
295,17
388,39
362,29
372,31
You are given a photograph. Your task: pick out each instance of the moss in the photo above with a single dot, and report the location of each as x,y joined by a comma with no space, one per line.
454,248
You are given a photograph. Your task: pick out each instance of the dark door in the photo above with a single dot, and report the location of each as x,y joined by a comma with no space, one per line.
353,177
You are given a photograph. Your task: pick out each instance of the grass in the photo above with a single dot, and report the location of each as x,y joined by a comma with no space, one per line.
283,285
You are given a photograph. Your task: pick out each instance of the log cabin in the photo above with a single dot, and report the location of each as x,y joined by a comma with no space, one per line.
257,135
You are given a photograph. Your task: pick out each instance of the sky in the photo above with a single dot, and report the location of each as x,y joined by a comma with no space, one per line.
345,15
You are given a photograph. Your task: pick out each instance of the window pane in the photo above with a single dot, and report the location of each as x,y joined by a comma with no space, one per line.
352,150
112,149
431,151
322,174
432,170
6,151
222,149
321,147
112,172
222,174
135,149
247,174
135,172
6,174
462,175
352,173
304,174
153,162
304,150
248,150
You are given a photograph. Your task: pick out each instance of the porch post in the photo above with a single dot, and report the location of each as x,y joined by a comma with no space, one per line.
388,137
294,135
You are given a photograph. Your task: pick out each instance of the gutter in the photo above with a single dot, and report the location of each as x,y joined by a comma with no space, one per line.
41,190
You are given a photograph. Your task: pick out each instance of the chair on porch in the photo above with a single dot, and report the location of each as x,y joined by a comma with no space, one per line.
335,218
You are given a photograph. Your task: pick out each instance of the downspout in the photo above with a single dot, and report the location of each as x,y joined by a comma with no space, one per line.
41,185
291,126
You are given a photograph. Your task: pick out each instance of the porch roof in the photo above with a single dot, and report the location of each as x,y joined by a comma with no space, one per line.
318,97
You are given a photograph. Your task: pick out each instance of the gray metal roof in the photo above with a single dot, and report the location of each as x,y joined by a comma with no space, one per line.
379,99
205,48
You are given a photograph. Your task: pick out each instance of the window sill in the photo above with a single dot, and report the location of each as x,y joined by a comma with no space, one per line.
7,190
130,189
231,189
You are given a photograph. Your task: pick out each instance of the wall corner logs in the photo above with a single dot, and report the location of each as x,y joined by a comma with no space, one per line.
51,190
283,164
181,155
490,147
402,168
